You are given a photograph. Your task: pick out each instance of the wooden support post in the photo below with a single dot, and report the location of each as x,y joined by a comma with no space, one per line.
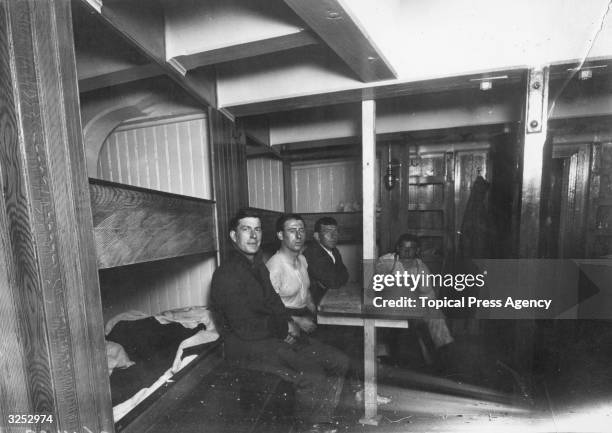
368,149
534,139
53,356
533,163
230,178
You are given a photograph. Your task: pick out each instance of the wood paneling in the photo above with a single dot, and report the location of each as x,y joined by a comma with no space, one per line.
326,186
169,155
157,286
574,203
134,225
266,189
53,296
230,177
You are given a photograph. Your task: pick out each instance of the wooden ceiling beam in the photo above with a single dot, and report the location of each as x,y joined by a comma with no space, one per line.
121,76
254,48
471,81
141,22
333,23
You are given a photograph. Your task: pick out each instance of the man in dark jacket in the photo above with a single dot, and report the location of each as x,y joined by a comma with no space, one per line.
259,333
325,267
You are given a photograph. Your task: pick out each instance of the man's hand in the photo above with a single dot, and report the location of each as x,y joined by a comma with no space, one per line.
294,332
306,324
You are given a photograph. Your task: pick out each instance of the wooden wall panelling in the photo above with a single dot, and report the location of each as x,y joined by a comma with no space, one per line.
599,239
169,155
574,203
266,183
153,287
59,367
323,186
134,225
230,181
449,212
287,191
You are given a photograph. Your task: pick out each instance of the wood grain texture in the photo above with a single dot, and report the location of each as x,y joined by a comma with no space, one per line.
344,35
134,225
288,41
48,222
230,178
114,78
17,261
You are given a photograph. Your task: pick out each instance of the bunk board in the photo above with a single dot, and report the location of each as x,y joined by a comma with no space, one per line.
136,225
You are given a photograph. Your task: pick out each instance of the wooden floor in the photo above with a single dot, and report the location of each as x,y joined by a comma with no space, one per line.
578,399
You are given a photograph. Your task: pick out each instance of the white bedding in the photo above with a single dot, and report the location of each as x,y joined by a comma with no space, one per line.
189,317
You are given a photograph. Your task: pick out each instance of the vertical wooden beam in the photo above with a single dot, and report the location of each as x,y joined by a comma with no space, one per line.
368,161
230,178
535,125
534,138
56,361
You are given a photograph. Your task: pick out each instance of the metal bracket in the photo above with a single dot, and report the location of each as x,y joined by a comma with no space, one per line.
537,96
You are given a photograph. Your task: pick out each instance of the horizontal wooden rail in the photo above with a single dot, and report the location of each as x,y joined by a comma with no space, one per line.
135,225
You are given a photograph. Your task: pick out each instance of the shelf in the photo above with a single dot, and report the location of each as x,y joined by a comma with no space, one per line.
426,180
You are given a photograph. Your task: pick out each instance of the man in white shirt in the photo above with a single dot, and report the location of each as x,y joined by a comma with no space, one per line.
406,258
289,278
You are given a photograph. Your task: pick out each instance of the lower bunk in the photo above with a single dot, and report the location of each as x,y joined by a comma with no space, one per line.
153,360
168,370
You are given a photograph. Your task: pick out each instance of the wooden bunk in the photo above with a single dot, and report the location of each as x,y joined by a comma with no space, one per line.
135,225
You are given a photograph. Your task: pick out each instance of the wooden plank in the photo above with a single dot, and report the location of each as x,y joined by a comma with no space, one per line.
141,22
134,225
368,162
333,23
399,89
122,76
370,374
47,226
324,319
299,38
534,138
